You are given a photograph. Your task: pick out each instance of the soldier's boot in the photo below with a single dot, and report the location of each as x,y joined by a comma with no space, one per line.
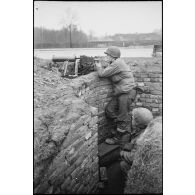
119,139
115,139
121,135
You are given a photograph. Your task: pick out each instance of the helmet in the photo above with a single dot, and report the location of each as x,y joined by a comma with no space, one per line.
113,51
141,117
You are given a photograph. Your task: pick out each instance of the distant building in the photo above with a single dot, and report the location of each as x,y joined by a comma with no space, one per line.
107,42
100,43
126,40
104,42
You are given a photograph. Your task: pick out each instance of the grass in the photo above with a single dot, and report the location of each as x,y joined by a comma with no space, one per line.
145,175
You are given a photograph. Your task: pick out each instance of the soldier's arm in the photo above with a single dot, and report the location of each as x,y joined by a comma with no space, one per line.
108,71
129,155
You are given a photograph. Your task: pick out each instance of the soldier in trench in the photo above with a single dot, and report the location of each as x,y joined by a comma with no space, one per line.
141,117
124,94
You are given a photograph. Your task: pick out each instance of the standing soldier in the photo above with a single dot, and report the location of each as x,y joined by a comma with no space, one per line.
124,94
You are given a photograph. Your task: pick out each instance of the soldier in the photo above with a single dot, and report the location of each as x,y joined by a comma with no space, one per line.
141,117
124,94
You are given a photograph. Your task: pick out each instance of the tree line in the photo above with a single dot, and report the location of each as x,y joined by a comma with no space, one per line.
71,36
66,37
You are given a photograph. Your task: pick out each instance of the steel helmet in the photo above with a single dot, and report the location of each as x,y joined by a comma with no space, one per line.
142,116
113,51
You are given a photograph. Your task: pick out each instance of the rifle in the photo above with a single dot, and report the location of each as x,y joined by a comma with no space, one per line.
75,60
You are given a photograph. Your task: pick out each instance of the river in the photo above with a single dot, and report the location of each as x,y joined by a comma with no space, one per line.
125,52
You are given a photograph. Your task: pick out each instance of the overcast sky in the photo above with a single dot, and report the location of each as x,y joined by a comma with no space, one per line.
101,17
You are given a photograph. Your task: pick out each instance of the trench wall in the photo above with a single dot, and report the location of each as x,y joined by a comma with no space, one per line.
151,82
65,137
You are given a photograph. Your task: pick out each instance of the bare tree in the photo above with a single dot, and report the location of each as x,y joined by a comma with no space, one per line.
69,20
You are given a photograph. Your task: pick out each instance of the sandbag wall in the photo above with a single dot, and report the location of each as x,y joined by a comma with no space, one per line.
65,137
96,92
151,81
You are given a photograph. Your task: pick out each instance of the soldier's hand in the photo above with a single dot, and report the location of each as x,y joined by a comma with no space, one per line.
105,65
98,64
128,147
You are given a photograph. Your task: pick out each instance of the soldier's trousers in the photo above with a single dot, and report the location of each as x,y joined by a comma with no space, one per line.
119,107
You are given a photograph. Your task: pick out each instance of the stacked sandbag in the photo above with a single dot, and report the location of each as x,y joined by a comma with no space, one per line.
145,175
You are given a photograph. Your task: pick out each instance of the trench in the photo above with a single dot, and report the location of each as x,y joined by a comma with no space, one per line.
99,93
111,180
91,91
